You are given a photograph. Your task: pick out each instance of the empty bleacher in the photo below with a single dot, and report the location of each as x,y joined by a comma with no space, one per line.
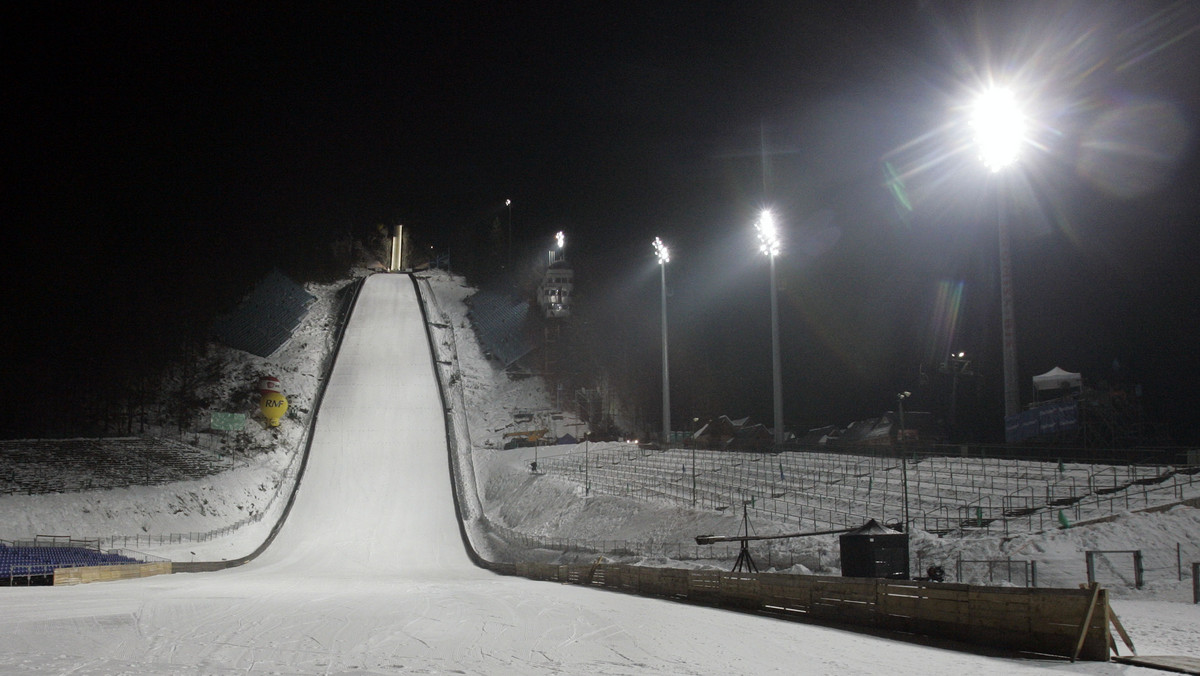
35,466
501,322
266,317
819,490
34,562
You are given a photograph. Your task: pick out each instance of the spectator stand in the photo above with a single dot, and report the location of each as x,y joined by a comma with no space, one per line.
266,317
947,495
502,324
35,466
35,562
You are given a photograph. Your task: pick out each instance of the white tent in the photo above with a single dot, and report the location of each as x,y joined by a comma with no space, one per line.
1057,379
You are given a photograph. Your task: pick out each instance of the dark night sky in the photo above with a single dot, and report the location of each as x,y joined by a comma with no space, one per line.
177,139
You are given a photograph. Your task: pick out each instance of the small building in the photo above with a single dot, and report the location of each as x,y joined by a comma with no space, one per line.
874,550
754,437
718,432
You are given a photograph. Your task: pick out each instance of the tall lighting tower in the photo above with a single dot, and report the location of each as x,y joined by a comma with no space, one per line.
768,238
664,256
508,262
999,126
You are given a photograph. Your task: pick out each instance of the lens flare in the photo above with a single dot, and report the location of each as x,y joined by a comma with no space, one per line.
768,236
999,128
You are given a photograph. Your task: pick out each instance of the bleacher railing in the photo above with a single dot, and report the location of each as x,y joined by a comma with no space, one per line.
822,490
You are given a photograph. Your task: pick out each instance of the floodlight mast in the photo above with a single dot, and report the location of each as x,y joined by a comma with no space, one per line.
768,238
557,254
508,262
999,127
901,437
664,256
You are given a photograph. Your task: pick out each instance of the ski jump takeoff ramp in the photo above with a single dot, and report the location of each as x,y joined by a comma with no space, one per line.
369,574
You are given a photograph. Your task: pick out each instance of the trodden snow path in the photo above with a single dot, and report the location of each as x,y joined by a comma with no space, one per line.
369,575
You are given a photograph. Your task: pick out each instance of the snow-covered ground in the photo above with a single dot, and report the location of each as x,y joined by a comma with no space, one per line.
368,574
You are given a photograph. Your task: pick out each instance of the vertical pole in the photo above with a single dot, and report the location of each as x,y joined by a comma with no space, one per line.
775,359
394,254
400,262
954,402
693,473
666,385
1012,396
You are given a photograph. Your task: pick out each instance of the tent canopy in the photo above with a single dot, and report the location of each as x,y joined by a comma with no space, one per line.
1056,379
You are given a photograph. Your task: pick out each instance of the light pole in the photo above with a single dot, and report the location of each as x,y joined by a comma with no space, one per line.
957,365
1000,131
900,438
768,238
508,203
694,422
664,257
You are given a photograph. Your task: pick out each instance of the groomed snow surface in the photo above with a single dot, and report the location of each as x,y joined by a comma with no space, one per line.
369,575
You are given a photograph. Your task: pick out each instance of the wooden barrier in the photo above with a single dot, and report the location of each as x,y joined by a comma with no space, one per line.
127,571
1037,620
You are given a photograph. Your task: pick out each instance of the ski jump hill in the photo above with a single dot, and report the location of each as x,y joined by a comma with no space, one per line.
376,495
370,572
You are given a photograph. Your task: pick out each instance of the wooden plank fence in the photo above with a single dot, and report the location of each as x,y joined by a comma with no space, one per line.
127,571
1036,620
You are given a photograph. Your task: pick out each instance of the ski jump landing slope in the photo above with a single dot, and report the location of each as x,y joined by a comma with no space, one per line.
374,496
369,574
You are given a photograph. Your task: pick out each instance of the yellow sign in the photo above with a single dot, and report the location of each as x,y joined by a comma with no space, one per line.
273,406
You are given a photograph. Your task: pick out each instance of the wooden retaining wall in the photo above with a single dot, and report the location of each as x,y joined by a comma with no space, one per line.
1044,621
126,571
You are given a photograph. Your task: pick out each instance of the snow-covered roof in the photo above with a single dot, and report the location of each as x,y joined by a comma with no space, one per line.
873,527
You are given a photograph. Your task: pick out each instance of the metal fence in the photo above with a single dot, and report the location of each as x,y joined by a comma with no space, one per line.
997,571
1135,568
947,495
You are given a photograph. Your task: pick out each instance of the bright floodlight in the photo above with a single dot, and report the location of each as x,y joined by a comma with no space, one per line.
768,237
661,250
560,238
999,128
